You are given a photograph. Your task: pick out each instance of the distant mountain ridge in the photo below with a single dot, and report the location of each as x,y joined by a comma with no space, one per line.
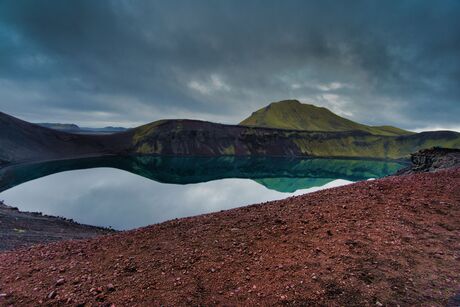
60,127
293,115
72,128
328,135
22,141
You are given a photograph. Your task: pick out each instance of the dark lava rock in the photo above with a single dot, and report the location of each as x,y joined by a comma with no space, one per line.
21,229
432,160
110,287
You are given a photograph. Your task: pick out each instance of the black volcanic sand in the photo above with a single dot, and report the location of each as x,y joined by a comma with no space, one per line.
19,229
387,242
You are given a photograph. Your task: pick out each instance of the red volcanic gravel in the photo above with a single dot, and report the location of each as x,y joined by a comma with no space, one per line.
388,242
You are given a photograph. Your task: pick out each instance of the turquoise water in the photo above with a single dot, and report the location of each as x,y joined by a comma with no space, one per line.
129,192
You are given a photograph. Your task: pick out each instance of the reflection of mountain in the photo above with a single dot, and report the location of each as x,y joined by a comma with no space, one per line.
290,185
183,170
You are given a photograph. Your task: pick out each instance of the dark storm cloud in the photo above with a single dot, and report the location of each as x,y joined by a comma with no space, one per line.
395,62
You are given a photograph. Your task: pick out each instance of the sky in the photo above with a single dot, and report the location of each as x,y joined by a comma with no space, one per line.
126,63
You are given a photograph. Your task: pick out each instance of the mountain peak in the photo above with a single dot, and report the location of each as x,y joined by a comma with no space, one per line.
293,103
292,114
287,101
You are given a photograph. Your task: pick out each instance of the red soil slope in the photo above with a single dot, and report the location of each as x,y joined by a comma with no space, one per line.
385,242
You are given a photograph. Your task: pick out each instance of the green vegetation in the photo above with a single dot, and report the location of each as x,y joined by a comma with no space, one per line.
390,130
145,149
290,185
145,130
318,133
291,114
228,151
373,146
182,137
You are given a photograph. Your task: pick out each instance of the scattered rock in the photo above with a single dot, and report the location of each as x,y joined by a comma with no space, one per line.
31,228
432,160
52,294
60,282
263,263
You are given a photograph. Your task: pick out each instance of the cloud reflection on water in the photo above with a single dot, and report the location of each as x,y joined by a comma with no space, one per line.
111,197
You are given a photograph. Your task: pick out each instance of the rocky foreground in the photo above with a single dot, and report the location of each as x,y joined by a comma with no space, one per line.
19,229
393,241
432,160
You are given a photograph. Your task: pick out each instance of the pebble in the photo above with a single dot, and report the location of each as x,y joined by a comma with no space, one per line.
60,282
52,294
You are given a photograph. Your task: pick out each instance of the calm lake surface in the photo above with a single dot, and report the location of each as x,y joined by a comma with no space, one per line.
131,192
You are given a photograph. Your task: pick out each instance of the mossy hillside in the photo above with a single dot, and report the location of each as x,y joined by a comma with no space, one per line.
141,132
373,146
209,139
388,130
291,114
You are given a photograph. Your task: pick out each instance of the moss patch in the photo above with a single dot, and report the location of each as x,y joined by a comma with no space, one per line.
291,114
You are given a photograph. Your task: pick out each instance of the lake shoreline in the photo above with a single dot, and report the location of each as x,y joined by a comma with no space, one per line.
19,229
372,242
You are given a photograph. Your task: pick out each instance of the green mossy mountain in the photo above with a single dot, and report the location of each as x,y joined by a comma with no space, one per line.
191,137
293,115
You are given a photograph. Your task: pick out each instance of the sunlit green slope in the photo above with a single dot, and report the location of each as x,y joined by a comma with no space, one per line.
291,114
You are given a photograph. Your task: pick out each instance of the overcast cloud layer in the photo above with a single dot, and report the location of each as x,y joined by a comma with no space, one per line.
98,63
